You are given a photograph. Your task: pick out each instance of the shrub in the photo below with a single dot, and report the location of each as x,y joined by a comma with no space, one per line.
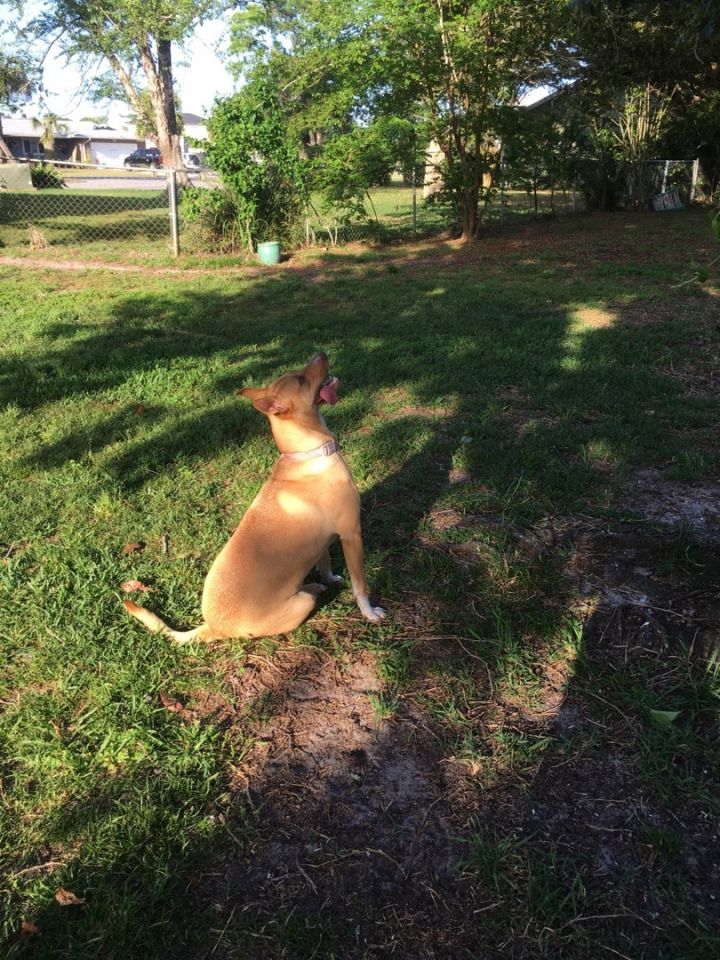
259,163
45,177
214,219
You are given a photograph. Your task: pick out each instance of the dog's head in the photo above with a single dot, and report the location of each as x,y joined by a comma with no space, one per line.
297,391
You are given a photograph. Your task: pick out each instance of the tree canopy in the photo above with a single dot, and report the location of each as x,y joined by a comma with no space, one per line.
135,39
448,65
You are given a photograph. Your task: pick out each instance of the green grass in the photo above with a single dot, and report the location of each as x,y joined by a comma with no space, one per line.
488,398
132,225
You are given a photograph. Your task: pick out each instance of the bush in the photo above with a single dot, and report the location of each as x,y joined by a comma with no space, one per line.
45,177
214,219
259,163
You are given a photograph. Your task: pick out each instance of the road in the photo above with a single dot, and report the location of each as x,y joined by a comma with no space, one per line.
133,181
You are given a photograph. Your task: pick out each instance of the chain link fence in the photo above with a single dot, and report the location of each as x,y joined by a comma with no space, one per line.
65,209
401,213
132,215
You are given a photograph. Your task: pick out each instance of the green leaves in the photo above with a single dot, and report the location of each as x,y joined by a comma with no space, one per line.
664,719
258,161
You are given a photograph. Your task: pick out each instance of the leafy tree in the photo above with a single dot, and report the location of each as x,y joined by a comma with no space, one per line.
316,54
135,39
453,64
51,125
534,143
463,63
671,46
349,164
15,78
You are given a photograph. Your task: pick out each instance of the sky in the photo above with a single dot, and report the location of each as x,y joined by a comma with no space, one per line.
199,74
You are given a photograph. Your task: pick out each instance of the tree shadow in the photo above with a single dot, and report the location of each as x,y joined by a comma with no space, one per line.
470,814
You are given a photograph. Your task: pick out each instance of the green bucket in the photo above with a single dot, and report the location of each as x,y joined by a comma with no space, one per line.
269,253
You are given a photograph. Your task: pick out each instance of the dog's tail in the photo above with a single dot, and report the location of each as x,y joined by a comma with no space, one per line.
153,622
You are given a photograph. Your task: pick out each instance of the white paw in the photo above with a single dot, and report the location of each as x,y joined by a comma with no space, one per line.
334,578
375,614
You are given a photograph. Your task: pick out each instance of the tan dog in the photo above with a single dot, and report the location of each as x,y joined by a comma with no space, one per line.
256,585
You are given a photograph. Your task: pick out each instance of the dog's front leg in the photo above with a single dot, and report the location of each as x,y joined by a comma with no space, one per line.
325,570
353,550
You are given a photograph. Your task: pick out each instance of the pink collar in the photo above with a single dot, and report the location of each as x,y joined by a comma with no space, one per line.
326,450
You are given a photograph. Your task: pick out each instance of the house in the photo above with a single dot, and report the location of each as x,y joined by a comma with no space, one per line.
22,137
106,146
81,142
193,128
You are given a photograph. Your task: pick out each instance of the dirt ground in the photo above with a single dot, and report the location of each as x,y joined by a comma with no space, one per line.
361,846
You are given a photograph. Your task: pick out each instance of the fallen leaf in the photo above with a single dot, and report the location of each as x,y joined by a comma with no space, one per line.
66,898
139,409
134,547
130,586
29,929
174,706
664,718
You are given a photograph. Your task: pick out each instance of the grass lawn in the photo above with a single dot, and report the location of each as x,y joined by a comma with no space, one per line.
522,761
132,226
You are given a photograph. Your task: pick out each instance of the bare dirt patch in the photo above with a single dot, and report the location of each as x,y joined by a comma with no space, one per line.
688,509
356,819
374,835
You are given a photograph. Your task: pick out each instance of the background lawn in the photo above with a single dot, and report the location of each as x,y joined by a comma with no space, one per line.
126,224
523,760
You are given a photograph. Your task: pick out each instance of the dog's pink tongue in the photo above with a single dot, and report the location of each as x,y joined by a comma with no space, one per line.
328,392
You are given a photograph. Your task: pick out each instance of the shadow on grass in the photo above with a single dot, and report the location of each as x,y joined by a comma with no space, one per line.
472,413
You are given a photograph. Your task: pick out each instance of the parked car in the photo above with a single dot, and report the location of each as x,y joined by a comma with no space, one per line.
194,160
144,157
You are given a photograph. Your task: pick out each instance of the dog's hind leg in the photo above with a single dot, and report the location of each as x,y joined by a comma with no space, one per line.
296,608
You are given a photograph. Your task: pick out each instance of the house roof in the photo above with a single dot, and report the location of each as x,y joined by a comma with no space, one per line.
21,127
87,131
30,127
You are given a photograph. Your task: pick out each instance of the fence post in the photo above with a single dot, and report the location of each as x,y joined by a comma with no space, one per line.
693,183
414,197
174,223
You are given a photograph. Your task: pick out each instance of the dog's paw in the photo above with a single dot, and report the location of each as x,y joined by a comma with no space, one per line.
314,589
333,579
375,614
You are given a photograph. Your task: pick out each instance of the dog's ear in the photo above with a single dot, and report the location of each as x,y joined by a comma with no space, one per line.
263,402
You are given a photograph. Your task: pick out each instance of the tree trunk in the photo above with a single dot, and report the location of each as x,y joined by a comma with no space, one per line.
709,156
160,88
469,214
164,48
469,201
5,153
